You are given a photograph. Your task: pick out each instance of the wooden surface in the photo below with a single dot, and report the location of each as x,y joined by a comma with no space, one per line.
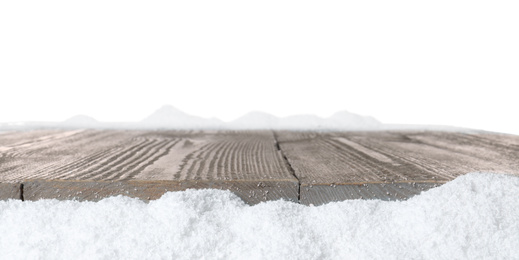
247,163
390,165
309,167
252,192
128,155
10,191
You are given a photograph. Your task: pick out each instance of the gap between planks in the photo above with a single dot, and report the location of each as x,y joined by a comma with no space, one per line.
287,163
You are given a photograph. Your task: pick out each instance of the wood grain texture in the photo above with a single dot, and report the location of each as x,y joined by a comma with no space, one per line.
336,166
251,192
256,165
10,191
322,194
239,160
236,156
111,155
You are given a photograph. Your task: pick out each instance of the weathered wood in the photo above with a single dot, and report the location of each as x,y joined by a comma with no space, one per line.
252,192
243,160
329,166
322,194
10,191
153,155
349,165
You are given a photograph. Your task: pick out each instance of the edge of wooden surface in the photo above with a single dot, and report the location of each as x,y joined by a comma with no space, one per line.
10,191
318,194
251,192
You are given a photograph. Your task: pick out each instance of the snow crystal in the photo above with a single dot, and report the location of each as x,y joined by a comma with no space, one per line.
475,216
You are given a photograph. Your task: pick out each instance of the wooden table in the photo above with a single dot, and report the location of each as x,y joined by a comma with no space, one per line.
306,167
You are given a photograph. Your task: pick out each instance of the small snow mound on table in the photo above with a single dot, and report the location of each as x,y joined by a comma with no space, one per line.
475,216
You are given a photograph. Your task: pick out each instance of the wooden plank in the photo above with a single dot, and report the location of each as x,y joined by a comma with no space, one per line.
329,166
55,155
111,155
321,194
386,165
252,192
10,191
242,159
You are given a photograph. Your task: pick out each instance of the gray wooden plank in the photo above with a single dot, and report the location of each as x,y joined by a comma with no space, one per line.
348,165
329,166
322,194
110,155
242,159
10,191
251,192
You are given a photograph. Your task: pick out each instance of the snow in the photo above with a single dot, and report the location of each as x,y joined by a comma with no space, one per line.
475,216
80,121
170,117
255,120
339,121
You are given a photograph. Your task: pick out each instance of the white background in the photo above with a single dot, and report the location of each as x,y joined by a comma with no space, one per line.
416,62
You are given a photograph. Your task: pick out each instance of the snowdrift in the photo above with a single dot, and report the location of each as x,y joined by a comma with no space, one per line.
475,216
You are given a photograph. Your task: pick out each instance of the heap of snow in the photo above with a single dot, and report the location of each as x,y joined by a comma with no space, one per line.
170,117
255,120
345,119
475,216
339,121
80,121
